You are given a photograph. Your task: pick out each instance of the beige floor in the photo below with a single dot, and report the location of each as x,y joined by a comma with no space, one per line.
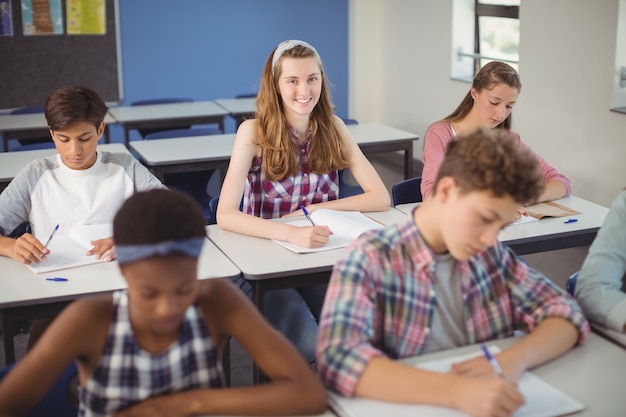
557,265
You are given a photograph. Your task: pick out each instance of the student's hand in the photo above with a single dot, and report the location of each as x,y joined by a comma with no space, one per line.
487,397
310,236
521,212
480,367
172,405
103,248
27,249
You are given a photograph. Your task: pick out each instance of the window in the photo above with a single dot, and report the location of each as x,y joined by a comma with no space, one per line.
483,31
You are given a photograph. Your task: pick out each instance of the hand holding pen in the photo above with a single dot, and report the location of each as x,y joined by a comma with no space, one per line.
310,237
27,249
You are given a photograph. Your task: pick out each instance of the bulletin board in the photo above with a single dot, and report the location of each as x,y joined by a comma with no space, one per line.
79,46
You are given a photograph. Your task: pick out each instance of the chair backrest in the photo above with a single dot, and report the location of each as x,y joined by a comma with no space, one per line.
48,144
213,208
407,191
180,133
57,401
246,95
28,110
570,285
165,100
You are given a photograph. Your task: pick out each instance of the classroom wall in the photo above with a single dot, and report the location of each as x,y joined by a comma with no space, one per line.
567,52
216,49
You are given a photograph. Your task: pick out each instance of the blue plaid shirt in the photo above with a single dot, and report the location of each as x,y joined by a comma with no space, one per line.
126,374
382,293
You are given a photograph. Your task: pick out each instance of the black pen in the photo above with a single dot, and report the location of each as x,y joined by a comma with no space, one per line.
52,234
306,214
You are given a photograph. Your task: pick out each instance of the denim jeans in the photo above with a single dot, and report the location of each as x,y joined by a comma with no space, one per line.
294,313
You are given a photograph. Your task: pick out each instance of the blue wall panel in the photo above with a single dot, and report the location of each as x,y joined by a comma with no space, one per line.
207,49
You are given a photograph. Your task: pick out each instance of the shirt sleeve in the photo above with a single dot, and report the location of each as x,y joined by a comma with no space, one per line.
436,140
598,288
345,341
15,201
549,172
534,298
142,178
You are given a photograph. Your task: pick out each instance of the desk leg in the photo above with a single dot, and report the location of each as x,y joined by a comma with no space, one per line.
126,136
5,143
408,161
10,329
258,297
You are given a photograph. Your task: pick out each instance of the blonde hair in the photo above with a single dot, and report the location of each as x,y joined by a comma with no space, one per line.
281,156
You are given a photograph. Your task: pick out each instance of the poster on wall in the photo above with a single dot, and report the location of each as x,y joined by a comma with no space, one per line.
6,18
86,17
42,17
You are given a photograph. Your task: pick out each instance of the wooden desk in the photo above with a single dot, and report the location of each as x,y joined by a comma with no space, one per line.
12,162
377,138
239,109
194,153
551,233
592,373
163,115
32,126
27,296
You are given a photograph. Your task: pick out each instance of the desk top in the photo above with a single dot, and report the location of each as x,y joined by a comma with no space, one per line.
126,114
29,121
21,287
376,133
184,150
12,162
592,374
591,218
270,260
238,106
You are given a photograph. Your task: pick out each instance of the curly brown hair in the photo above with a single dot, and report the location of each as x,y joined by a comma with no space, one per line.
490,160
156,216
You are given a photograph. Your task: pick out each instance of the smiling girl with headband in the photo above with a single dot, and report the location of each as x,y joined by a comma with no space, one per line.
155,348
289,157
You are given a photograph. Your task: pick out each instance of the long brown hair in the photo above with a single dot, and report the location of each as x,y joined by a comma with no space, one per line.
281,156
489,76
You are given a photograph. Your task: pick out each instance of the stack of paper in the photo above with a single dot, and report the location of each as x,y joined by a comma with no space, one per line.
69,249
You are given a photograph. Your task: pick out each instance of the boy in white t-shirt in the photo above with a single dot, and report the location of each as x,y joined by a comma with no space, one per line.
80,185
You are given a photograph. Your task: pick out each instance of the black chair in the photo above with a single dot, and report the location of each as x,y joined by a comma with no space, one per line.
407,191
145,132
246,95
59,401
349,121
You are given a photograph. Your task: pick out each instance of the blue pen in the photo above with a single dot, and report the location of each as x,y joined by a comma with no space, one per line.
56,279
492,361
306,213
52,234
570,221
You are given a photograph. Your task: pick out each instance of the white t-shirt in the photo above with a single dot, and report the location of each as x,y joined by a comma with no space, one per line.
46,193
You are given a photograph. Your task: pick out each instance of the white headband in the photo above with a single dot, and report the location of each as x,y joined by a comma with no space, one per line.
287,45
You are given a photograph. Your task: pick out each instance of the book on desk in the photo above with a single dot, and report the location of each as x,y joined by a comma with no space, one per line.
69,249
345,226
538,211
542,399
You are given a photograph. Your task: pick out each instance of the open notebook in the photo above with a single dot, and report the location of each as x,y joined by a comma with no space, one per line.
345,225
68,248
548,209
542,399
